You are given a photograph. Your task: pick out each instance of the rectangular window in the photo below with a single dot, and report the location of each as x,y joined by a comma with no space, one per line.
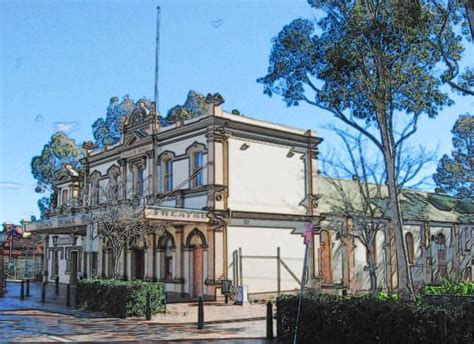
168,175
139,186
198,164
65,197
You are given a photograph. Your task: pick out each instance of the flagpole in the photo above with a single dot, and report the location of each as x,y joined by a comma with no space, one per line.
157,57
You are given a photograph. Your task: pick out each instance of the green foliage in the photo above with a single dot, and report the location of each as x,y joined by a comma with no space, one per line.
60,150
119,298
106,130
455,175
195,105
451,286
364,320
386,296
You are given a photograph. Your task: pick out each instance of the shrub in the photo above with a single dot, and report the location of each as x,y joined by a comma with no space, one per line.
365,320
120,298
451,286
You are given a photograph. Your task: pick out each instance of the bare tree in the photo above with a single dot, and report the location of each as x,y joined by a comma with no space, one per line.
120,222
360,191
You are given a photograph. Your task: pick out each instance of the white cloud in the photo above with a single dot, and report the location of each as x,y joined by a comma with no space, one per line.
66,127
13,185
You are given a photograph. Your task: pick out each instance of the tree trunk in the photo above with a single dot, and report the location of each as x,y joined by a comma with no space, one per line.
115,262
372,273
405,286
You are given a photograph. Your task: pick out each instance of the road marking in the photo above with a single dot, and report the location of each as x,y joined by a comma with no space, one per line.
59,339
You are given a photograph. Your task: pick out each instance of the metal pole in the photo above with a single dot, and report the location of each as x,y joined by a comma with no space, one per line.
27,287
278,272
240,268
57,285
157,47
301,294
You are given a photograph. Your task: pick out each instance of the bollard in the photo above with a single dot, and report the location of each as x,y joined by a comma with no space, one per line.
43,292
68,295
22,290
57,285
27,287
269,320
148,305
200,324
1,285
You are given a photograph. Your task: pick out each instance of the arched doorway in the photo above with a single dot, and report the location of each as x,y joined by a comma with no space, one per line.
196,242
139,263
325,252
440,264
167,249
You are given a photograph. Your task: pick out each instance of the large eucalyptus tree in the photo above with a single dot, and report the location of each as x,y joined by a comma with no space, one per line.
366,62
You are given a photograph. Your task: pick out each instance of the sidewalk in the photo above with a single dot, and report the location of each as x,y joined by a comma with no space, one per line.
32,321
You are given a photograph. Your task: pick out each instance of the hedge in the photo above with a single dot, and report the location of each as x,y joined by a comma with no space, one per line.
364,320
118,298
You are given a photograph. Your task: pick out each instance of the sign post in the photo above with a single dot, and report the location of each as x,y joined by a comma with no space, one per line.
308,240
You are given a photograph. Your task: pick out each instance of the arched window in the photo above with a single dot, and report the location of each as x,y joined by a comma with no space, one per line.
410,247
95,192
114,174
197,166
196,153
441,242
168,174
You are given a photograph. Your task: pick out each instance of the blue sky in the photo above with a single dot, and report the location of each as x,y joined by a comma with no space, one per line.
62,61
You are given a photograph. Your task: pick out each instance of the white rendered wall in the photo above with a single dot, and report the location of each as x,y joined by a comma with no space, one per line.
260,275
262,178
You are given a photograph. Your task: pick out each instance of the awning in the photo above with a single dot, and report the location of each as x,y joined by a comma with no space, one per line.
59,225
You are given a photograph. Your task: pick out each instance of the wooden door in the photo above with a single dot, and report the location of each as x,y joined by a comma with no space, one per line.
73,271
197,268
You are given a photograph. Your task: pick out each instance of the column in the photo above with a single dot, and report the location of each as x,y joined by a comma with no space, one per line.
128,259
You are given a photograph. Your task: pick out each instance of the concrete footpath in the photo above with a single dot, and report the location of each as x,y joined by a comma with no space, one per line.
30,320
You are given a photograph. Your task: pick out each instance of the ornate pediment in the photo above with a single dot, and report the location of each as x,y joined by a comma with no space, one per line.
67,174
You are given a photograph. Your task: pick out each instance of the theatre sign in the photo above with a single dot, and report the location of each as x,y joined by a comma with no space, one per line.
175,214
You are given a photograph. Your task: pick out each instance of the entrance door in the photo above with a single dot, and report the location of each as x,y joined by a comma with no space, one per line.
73,272
139,264
197,268
326,268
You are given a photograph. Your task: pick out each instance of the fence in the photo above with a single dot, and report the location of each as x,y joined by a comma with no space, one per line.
265,274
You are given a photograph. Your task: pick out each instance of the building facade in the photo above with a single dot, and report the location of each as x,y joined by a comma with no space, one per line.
230,198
